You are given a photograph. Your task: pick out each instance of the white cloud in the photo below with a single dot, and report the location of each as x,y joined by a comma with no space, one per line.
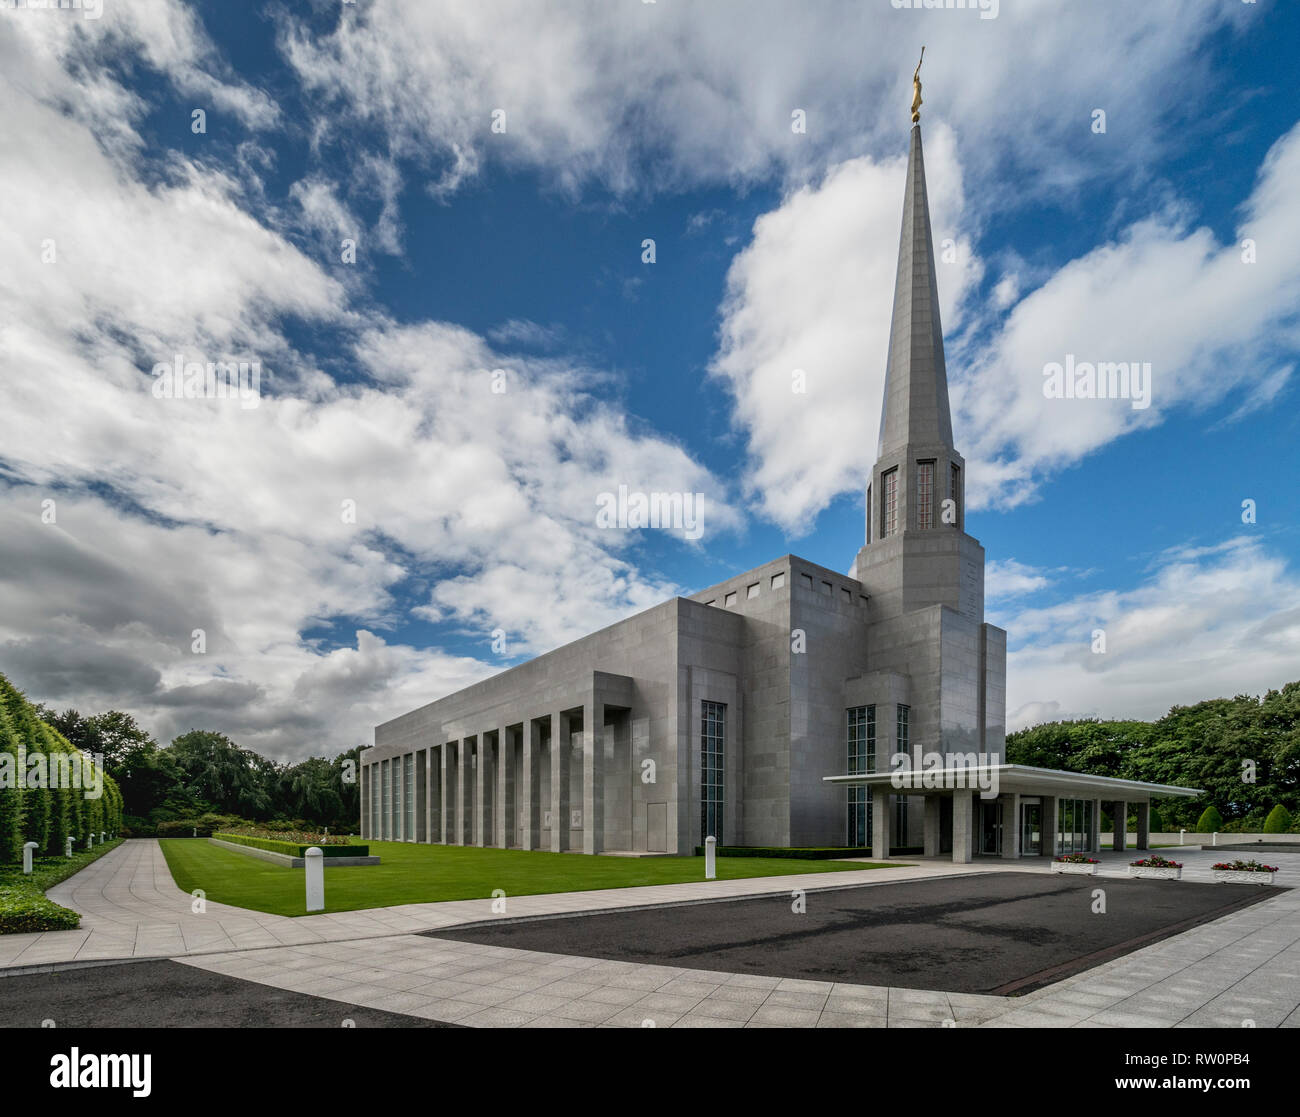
1207,622
813,292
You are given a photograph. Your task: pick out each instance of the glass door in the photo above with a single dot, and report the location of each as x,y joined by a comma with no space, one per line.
1031,830
991,828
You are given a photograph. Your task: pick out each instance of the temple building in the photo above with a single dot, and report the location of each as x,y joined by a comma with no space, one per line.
775,708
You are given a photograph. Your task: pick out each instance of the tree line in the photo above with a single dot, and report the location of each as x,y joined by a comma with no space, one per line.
1243,751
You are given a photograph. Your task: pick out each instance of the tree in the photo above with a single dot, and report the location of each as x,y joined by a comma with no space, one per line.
1278,821
1210,821
230,779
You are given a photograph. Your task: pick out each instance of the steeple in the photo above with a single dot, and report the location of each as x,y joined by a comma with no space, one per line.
917,552
915,405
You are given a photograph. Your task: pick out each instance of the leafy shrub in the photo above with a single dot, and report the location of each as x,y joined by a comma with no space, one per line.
1278,821
1210,821
24,910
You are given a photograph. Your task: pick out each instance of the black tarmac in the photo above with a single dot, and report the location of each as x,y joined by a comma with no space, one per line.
1000,933
172,995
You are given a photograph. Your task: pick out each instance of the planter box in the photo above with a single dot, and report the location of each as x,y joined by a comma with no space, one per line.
1155,872
1234,876
1074,867
289,861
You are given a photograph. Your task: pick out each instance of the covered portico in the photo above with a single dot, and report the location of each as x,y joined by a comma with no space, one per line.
1009,810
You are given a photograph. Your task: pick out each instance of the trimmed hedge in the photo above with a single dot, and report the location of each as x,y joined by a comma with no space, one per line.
293,849
799,854
1278,821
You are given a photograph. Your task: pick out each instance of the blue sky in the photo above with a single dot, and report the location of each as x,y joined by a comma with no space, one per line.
522,251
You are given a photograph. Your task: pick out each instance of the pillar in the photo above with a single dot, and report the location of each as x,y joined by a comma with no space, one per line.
932,808
504,811
880,822
561,742
1011,825
1144,825
1094,828
363,787
428,795
593,776
1120,818
1049,825
963,826
530,786
443,836
482,771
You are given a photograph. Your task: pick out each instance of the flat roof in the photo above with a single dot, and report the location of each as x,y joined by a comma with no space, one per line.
1010,777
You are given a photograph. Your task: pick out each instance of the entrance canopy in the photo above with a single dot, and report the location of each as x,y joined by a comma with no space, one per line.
1019,779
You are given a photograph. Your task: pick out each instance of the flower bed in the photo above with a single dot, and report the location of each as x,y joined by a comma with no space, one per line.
1244,872
1075,863
1156,867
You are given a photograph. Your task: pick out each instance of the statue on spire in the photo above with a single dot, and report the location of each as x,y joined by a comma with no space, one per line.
916,90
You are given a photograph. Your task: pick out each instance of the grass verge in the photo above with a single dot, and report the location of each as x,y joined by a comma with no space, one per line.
421,874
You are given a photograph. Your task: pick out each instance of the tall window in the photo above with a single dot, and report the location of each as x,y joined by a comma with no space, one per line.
954,493
904,714
900,822
399,814
889,504
713,733
925,495
870,525
862,758
1074,825
372,789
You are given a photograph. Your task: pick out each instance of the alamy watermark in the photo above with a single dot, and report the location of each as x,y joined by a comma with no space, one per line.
90,9
945,770
181,379
1130,380
60,770
988,9
682,512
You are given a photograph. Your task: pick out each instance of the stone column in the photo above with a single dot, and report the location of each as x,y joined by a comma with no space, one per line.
932,808
363,789
531,748
1049,825
1120,818
1011,825
561,742
963,826
593,776
504,812
428,794
1144,825
481,775
880,822
443,836
463,785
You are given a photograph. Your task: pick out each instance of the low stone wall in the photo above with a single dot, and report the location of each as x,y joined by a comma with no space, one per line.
288,860
1195,839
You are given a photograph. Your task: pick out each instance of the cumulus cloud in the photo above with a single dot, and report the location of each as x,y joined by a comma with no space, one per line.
1203,622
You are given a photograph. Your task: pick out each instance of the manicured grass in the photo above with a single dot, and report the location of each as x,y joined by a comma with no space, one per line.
416,874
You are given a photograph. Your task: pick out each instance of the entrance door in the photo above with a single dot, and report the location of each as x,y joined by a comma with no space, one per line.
1031,830
991,828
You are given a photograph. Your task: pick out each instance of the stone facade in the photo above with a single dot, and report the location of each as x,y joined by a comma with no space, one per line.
599,745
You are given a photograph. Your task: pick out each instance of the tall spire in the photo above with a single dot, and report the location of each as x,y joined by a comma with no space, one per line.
915,407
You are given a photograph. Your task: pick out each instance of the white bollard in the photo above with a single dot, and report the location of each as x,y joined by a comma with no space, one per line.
1215,840
67,848
315,870
710,858
102,837
90,841
28,849
1182,834
196,831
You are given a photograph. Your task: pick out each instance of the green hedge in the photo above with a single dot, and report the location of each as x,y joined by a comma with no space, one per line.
292,848
796,853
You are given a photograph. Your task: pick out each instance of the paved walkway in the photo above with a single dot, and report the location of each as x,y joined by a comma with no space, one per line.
1243,968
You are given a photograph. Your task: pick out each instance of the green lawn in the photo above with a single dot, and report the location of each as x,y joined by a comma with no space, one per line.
414,874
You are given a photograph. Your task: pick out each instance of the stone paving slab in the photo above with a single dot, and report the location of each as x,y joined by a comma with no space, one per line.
1243,966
